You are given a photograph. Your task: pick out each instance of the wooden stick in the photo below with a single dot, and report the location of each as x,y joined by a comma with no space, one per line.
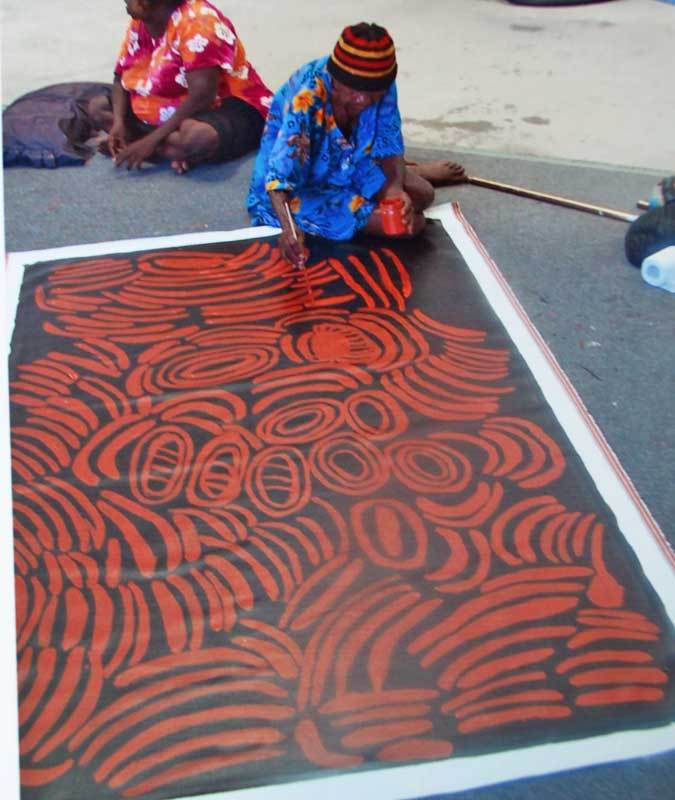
304,267
552,198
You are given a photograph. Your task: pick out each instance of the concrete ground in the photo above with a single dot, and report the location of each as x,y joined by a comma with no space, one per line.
585,82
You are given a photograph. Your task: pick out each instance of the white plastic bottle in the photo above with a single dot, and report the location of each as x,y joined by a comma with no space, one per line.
658,269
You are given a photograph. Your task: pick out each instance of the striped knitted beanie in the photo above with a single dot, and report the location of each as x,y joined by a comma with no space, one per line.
364,58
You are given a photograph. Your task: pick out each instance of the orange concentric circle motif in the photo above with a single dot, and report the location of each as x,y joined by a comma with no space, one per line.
390,533
348,465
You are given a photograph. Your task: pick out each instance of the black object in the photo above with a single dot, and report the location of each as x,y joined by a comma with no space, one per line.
50,126
655,229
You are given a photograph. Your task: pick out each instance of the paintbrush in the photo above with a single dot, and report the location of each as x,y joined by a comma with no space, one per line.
304,267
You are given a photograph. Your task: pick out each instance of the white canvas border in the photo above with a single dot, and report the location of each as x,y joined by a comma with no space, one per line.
455,774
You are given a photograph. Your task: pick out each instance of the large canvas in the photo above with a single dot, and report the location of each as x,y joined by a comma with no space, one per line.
263,537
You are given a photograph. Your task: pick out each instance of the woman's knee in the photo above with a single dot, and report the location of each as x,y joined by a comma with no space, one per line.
195,138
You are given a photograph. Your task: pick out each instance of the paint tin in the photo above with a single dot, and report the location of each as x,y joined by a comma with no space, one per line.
391,210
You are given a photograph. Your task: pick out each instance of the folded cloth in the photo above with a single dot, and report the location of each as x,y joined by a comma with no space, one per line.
50,126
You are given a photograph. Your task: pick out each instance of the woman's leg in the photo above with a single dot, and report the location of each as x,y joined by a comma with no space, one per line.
193,142
438,173
226,133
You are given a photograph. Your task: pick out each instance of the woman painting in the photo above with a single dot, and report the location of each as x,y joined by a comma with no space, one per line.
183,88
332,149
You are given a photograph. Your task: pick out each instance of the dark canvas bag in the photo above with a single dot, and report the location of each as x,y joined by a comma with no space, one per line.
50,127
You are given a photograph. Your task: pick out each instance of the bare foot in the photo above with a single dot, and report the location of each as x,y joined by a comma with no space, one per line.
181,166
439,173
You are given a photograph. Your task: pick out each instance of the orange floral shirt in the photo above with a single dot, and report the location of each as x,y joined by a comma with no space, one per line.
154,71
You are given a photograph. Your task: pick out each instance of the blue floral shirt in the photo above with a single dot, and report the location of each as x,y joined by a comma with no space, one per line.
331,179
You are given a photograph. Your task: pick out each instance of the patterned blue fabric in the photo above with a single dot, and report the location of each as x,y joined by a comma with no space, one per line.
331,180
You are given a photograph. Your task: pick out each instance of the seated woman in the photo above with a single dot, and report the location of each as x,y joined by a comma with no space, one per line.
183,88
332,149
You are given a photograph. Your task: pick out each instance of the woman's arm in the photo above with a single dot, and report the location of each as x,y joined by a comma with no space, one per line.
292,239
117,138
202,88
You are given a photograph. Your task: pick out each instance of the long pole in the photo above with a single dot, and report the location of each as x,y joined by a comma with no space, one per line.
601,211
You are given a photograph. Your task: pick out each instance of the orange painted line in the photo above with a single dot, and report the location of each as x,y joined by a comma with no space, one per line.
143,554
599,656
173,618
247,738
329,597
60,457
81,713
226,599
357,640
251,557
57,702
381,653
621,675
498,666
277,657
456,562
282,541
177,724
77,616
377,734
415,749
44,672
497,719
43,777
471,695
354,285
39,599
334,645
624,694
172,543
194,607
513,699
386,281
234,579
402,271
309,741
368,279
24,671
210,656
472,512
262,541
279,636
125,639
598,620
104,614
383,713
473,608
215,609
527,612
482,570
498,528
529,574
46,626
157,708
